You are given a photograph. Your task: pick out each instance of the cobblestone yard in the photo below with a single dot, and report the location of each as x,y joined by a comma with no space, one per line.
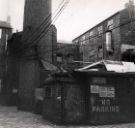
10,117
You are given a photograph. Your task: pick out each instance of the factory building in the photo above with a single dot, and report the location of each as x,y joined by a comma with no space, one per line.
5,34
113,38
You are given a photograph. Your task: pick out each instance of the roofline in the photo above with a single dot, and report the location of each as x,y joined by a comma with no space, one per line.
6,27
90,65
97,25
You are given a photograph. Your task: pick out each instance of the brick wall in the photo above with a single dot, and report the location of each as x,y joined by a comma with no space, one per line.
92,45
127,30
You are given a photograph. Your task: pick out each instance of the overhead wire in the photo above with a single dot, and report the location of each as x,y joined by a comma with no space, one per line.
92,37
46,29
46,22
96,35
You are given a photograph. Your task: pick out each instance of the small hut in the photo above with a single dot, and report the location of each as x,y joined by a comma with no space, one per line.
100,93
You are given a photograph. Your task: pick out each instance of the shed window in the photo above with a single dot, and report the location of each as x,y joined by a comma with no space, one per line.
48,92
58,91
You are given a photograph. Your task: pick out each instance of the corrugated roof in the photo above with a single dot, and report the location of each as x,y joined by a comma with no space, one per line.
116,66
4,24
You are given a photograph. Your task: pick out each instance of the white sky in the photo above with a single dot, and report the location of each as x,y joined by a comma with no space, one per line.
78,17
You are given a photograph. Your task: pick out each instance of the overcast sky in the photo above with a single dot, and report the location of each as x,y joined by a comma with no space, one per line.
78,17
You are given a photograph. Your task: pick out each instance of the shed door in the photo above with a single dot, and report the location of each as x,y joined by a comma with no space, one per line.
74,104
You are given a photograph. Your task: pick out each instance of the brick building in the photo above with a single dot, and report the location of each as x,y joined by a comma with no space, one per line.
112,38
5,33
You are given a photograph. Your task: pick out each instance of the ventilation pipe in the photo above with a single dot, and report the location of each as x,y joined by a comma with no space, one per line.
108,42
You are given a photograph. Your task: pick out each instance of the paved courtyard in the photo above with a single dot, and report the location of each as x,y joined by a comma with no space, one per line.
10,117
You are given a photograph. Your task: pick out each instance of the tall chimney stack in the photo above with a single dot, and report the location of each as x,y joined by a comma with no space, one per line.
37,15
36,12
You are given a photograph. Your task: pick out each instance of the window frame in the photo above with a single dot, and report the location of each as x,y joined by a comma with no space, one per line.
48,95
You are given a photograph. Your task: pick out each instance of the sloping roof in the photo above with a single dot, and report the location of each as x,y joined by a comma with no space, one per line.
4,24
116,66
48,66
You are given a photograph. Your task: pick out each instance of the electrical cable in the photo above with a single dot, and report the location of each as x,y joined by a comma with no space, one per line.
45,21
55,17
55,50
96,35
46,29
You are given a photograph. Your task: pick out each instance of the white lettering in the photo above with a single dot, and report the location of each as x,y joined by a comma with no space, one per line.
105,109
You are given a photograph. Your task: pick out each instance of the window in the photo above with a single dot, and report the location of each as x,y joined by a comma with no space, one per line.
87,35
91,33
100,29
75,41
59,58
83,39
0,33
48,92
110,24
58,91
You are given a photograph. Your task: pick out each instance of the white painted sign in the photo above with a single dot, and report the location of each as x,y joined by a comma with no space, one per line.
106,92
103,91
94,88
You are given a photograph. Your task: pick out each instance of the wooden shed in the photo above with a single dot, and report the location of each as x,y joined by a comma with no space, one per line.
90,97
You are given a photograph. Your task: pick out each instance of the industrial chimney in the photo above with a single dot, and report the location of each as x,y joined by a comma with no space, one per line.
35,48
35,13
